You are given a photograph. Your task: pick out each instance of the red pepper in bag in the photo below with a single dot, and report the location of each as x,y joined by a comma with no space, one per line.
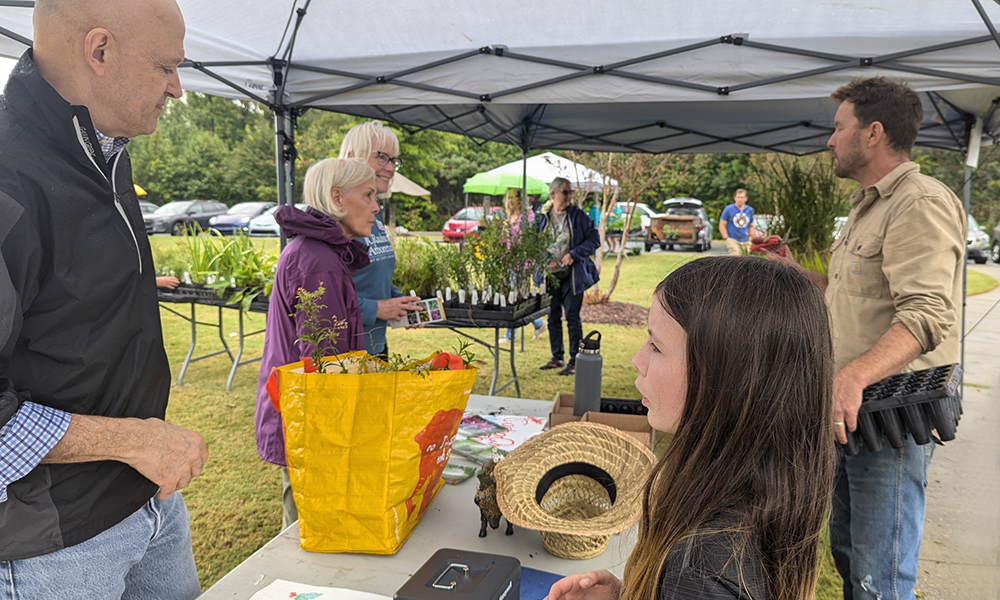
447,362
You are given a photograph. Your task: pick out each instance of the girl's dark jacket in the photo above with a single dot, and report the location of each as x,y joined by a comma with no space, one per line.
79,320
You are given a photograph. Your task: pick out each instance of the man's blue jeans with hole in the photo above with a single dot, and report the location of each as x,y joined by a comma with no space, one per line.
878,519
145,557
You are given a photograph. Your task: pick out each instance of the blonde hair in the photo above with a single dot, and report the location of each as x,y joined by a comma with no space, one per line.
512,201
361,141
333,173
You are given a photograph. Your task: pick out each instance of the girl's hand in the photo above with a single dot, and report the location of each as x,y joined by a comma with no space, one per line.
596,585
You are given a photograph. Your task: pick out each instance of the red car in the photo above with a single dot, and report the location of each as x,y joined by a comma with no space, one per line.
466,221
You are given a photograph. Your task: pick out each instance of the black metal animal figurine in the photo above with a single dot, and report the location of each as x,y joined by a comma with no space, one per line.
486,499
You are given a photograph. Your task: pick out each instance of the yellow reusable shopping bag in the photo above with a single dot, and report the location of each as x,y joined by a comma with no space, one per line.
365,451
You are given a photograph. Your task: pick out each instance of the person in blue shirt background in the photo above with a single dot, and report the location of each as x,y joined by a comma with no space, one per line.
380,300
736,224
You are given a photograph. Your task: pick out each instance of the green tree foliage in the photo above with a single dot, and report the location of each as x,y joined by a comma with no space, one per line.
207,147
949,167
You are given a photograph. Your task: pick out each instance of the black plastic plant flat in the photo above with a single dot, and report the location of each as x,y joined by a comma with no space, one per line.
908,404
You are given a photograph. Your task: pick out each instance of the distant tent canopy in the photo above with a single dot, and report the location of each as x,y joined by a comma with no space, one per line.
547,166
491,183
402,185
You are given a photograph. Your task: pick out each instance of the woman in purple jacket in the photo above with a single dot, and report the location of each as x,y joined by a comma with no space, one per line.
323,250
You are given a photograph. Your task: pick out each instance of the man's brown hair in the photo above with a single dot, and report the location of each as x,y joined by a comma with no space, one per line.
892,103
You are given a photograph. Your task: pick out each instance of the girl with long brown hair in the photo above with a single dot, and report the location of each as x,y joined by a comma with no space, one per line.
738,366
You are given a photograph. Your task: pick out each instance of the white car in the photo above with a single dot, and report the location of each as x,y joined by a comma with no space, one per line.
265,225
642,212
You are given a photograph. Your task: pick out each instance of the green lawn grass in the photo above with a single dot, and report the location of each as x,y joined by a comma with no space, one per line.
235,503
978,283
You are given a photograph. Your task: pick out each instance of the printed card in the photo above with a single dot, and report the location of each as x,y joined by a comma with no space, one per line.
430,312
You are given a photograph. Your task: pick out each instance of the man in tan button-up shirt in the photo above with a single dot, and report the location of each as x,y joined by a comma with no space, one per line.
894,290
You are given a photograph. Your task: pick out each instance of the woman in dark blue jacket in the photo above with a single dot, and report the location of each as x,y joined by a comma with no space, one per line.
574,241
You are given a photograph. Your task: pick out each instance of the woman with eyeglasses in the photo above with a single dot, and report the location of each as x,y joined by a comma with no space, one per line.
380,300
571,269
323,251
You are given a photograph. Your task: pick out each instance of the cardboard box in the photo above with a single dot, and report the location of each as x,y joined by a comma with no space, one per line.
562,410
635,425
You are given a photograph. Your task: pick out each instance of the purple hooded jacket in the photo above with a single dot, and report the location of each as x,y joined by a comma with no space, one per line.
318,253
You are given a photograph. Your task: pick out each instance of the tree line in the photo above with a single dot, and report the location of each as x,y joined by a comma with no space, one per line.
215,148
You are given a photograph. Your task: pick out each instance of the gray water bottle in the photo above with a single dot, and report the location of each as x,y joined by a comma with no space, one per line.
587,386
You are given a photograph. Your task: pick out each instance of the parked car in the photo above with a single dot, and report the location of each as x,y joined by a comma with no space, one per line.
642,216
180,217
467,221
265,225
995,244
694,232
977,242
236,218
147,208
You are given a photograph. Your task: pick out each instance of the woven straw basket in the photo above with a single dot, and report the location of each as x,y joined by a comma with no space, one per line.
577,484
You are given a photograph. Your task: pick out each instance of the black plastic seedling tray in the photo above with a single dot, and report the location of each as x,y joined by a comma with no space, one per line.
494,312
623,406
908,404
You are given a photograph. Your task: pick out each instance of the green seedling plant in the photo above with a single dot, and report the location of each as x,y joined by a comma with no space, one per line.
246,268
317,331
200,249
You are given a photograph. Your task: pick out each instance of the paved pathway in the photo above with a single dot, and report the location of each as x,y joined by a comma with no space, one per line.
960,555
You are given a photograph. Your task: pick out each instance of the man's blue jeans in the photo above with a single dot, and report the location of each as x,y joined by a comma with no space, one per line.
147,556
878,519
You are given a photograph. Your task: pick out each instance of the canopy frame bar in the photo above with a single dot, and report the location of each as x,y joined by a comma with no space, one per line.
531,125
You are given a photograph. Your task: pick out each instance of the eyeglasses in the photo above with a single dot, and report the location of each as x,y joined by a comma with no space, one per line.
564,192
383,159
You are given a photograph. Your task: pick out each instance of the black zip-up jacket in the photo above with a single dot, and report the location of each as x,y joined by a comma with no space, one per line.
79,322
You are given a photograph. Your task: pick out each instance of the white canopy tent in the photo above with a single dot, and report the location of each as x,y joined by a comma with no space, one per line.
631,76
636,75
547,166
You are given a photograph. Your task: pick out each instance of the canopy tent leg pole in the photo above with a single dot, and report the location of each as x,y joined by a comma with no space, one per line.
391,209
524,181
965,273
279,162
461,241
291,118
284,158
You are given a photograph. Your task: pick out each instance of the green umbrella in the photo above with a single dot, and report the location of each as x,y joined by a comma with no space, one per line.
496,184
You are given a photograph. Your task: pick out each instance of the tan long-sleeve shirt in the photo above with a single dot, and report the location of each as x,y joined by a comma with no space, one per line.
899,259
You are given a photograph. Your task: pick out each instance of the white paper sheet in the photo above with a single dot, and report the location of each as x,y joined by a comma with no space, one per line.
519,430
279,589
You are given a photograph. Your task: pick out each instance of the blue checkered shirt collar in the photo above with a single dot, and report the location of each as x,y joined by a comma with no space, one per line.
109,145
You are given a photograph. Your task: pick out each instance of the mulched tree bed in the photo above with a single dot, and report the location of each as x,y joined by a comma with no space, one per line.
615,313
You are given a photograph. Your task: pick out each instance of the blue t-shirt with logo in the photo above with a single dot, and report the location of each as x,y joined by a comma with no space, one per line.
738,221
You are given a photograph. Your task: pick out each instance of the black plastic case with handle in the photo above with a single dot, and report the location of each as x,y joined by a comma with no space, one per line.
464,575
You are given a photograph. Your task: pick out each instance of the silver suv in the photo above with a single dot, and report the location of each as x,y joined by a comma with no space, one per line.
978,242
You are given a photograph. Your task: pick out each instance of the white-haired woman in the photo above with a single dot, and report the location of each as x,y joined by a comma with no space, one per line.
380,300
323,251
574,241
